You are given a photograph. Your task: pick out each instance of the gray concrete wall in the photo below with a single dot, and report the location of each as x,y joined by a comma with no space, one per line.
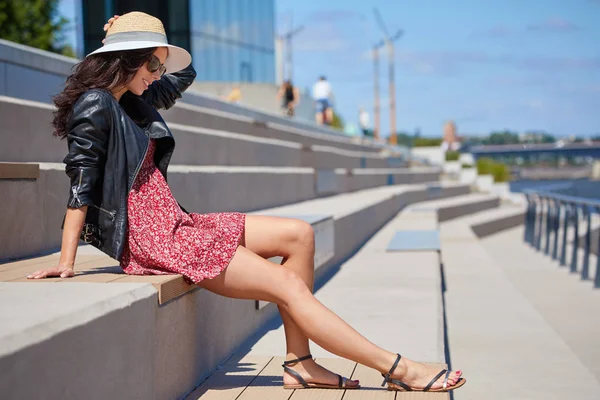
499,224
42,202
450,212
27,131
71,341
259,96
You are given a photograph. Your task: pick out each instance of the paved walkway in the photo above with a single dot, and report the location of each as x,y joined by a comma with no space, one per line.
508,320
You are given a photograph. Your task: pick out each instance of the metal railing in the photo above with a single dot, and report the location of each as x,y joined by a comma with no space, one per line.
550,214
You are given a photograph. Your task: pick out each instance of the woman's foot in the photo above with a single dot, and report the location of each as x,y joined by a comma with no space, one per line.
418,376
313,373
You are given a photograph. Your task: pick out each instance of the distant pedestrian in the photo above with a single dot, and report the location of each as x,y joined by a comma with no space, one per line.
363,122
289,96
322,93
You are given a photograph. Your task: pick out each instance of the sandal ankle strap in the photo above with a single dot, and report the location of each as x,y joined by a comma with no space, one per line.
297,360
387,377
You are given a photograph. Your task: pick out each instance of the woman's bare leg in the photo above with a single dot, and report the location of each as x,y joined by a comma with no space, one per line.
294,240
250,276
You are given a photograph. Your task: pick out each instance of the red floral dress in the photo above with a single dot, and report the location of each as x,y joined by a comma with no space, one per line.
163,239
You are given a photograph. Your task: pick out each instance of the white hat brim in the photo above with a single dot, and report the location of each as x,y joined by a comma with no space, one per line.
178,57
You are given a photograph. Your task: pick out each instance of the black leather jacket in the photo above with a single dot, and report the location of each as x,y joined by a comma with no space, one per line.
107,143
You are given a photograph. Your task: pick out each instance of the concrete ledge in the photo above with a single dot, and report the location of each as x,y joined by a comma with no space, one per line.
188,114
47,329
42,203
495,221
460,206
19,171
27,125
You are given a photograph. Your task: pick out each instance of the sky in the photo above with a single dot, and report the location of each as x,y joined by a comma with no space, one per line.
522,65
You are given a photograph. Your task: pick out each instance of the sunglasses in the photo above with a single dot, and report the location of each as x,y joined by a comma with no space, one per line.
155,65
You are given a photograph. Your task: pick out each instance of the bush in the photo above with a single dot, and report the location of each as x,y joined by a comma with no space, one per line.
487,166
427,142
500,173
452,155
484,166
464,165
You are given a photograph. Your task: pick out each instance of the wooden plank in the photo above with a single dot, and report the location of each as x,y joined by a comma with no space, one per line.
371,379
268,384
227,382
173,287
81,268
14,170
169,287
45,261
370,382
339,366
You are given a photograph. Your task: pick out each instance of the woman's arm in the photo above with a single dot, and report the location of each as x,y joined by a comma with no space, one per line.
87,139
164,92
70,239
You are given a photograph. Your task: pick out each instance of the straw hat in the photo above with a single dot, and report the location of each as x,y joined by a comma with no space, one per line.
138,30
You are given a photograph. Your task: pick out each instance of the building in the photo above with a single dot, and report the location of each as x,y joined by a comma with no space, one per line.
230,40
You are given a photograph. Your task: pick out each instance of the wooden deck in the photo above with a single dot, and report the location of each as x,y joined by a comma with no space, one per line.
95,269
260,378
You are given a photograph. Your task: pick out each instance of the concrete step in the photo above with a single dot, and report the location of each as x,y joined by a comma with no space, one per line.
448,209
497,334
188,114
180,347
32,141
488,222
42,202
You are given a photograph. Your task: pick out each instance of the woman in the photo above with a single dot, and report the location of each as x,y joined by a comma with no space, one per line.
290,96
119,150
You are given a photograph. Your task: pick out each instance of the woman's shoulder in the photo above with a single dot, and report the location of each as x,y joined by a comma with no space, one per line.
96,96
95,105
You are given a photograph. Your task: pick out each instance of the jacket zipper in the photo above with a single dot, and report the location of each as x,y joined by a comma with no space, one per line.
76,196
110,213
137,170
76,190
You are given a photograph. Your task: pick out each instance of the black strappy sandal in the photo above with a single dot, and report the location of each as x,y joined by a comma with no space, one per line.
306,385
403,387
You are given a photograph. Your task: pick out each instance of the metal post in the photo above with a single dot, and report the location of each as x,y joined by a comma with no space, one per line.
549,214
377,108
597,280
528,215
540,222
563,254
588,241
556,226
575,239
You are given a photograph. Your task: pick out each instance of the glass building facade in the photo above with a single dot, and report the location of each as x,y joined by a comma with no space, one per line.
230,40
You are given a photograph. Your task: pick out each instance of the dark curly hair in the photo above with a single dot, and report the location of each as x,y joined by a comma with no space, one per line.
99,71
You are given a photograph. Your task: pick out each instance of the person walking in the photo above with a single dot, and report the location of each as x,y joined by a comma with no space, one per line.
322,94
289,96
119,149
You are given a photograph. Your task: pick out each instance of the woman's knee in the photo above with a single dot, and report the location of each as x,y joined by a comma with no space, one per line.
292,284
304,233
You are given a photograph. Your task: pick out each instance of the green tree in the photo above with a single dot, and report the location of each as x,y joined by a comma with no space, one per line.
34,23
502,137
338,122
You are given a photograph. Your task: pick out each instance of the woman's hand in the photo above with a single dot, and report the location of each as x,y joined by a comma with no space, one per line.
109,24
59,270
